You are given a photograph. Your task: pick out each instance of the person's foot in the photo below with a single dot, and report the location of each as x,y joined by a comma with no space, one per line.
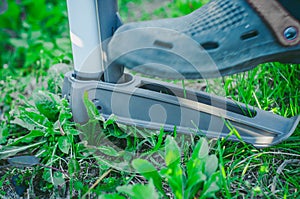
221,38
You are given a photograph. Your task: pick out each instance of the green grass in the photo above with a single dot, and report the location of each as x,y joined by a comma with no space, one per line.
36,121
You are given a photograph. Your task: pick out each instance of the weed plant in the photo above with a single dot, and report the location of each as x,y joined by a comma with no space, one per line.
44,154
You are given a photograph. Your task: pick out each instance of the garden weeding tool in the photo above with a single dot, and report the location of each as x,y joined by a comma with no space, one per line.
148,103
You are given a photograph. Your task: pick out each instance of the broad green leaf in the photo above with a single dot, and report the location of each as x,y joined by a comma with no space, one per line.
23,161
4,133
211,165
32,120
211,186
48,45
29,137
91,109
64,144
118,165
32,55
46,175
172,152
199,167
36,9
63,42
8,151
58,179
74,132
107,150
110,121
4,177
195,166
78,185
73,166
64,116
115,131
19,43
146,169
92,132
196,178
159,141
139,191
201,149
197,161
36,34
48,104
173,172
111,196
175,178
24,124
12,14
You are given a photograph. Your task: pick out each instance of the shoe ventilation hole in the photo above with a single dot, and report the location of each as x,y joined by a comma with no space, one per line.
210,45
249,35
163,44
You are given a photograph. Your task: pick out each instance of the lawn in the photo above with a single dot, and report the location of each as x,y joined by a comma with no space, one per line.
43,153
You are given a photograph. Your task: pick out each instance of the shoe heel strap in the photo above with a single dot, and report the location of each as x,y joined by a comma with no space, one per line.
283,25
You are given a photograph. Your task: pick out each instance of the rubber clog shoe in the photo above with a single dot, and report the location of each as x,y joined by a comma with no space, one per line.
221,38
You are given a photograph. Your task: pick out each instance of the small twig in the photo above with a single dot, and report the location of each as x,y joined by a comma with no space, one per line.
279,171
97,182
